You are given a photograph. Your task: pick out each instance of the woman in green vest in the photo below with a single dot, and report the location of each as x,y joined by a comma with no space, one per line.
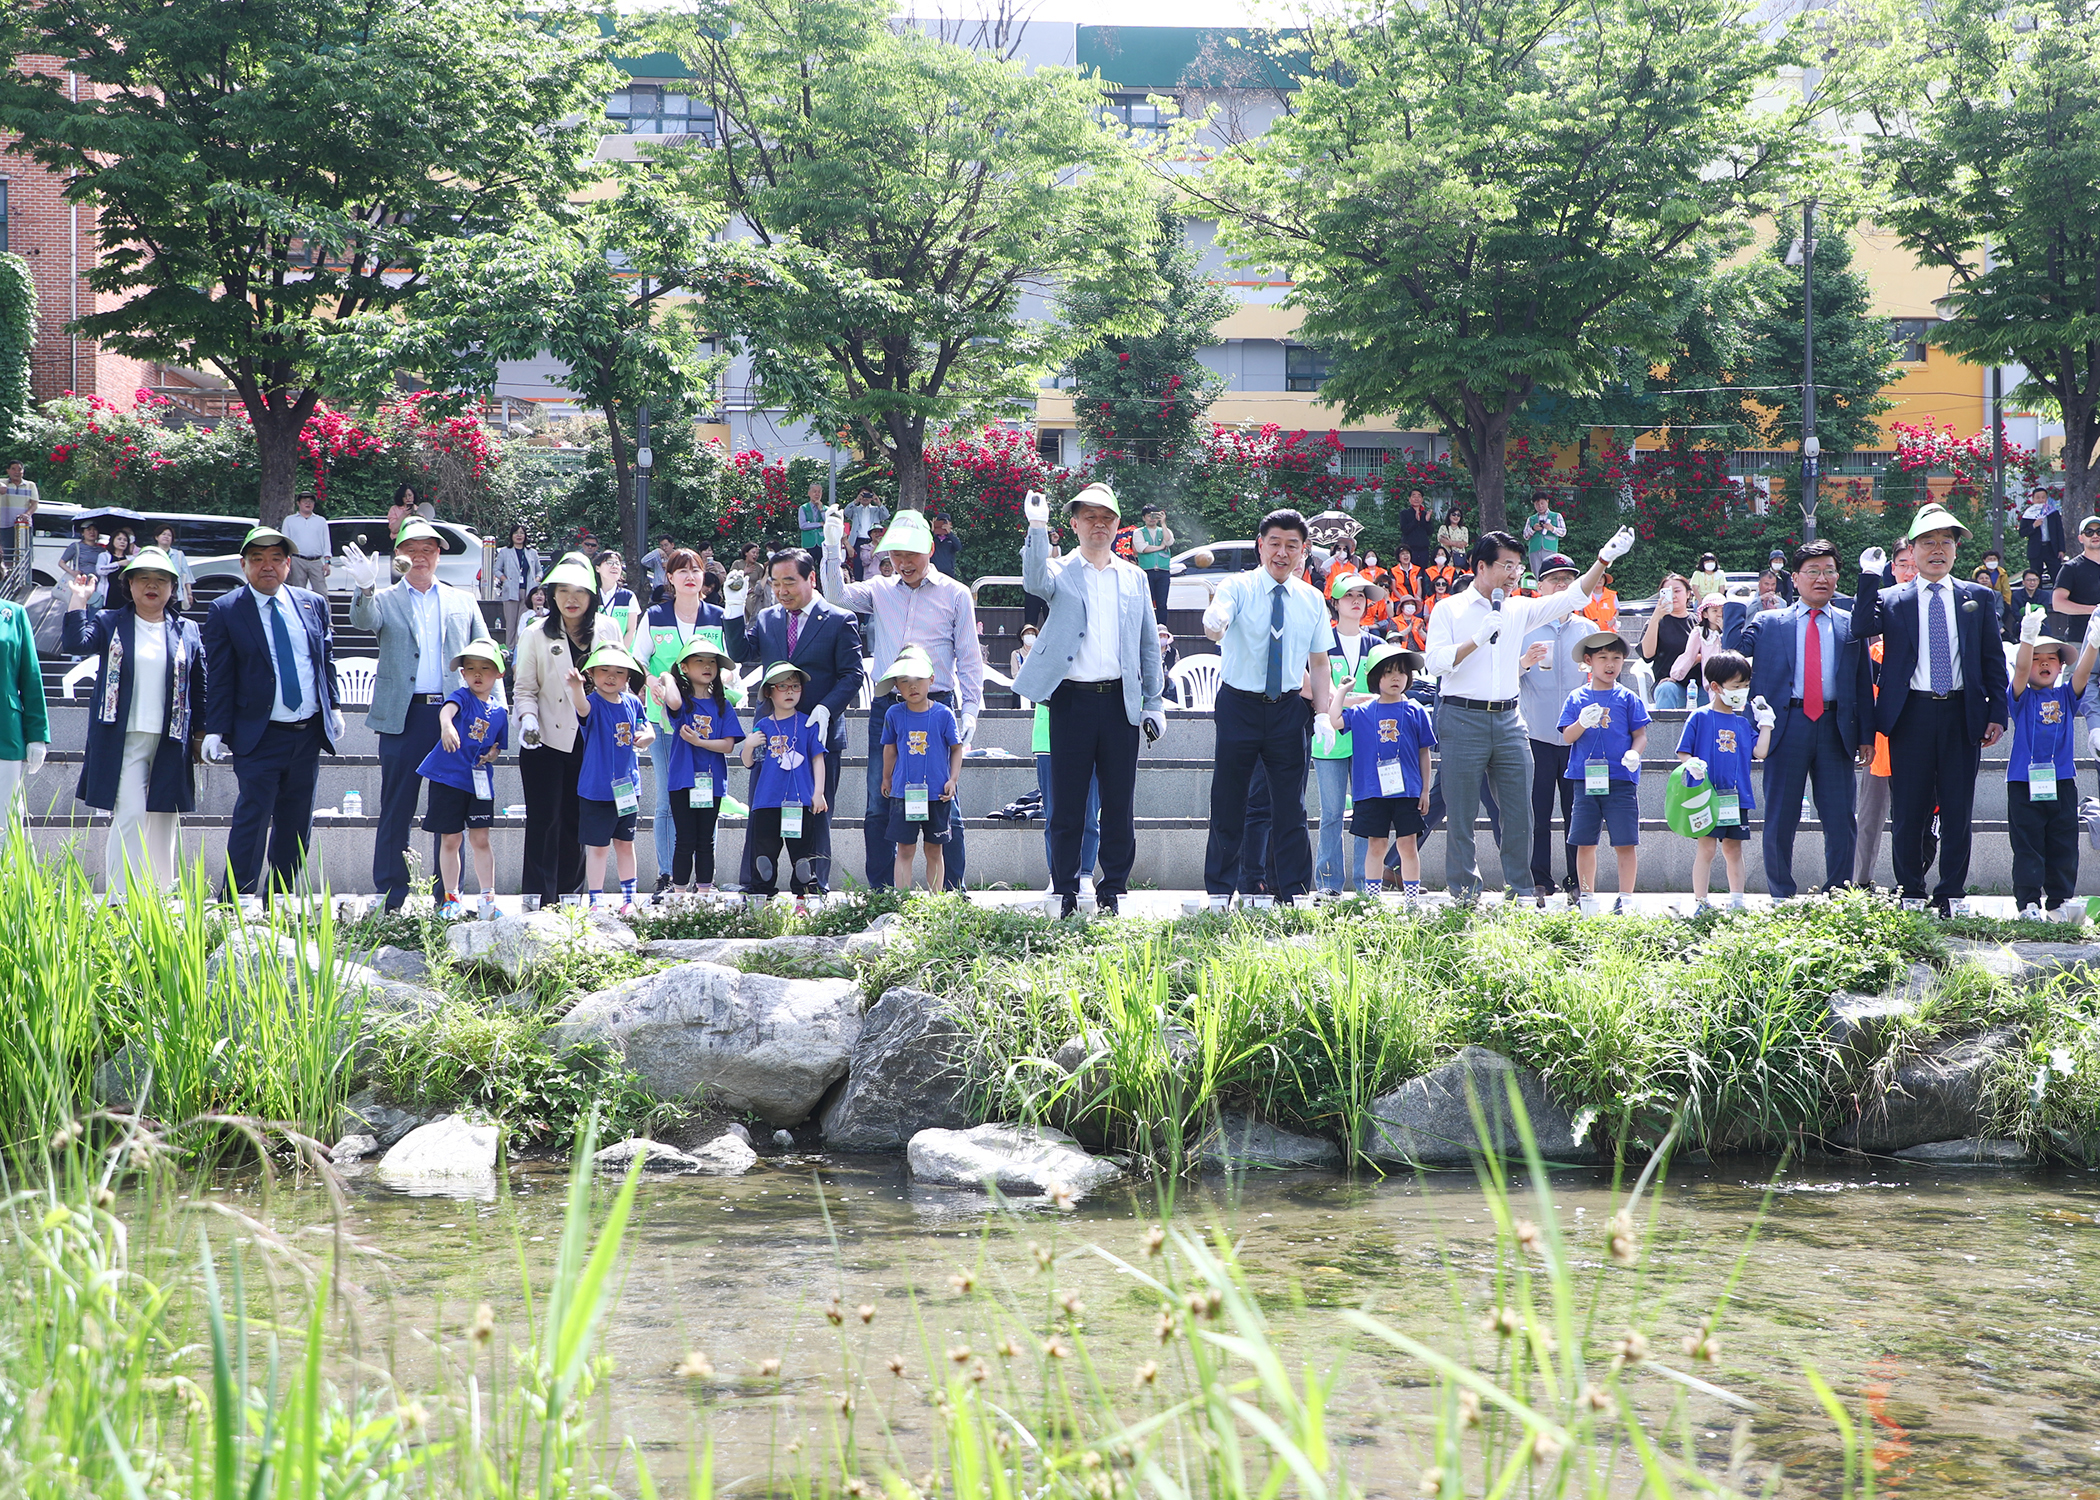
1348,654
1153,548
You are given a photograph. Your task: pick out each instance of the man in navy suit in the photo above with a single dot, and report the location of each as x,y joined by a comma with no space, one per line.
269,672
1809,667
1942,703
824,641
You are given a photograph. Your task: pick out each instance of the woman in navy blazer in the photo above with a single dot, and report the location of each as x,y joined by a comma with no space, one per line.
149,695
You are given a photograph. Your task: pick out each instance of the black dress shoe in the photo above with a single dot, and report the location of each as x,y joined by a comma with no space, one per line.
1106,905
1067,906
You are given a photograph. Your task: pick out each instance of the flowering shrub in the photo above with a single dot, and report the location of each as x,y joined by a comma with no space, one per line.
1923,448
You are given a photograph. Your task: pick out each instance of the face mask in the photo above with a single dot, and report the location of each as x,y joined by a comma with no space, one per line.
1441,559
1733,697
1407,609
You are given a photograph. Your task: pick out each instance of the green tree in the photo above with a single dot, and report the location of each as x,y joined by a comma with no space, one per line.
1986,145
1139,399
263,173
1487,198
17,338
959,180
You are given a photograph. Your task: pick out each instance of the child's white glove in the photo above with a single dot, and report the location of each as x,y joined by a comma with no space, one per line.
2031,626
1694,769
1591,716
2092,632
1761,713
1631,760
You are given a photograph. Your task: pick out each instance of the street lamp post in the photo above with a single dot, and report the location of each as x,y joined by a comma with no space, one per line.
644,460
1811,446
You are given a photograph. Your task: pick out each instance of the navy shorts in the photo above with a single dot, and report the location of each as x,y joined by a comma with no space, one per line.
454,809
934,830
600,823
1376,817
1619,810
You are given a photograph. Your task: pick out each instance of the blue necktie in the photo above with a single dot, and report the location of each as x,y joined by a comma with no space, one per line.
287,673
1941,649
1273,683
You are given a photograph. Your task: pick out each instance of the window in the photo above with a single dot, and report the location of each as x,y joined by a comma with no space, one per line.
3,215
1910,334
650,109
1050,446
1136,111
1304,368
1366,463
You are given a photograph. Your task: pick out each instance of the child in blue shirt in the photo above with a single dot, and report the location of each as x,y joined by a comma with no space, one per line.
787,790
704,729
1390,738
2041,771
1718,745
922,755
472,732
611,727
1607,726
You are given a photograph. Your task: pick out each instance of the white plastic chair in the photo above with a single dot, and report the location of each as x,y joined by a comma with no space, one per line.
354,676
81,671
866,697
1196,681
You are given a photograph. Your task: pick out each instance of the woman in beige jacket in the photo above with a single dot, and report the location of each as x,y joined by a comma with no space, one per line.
549,755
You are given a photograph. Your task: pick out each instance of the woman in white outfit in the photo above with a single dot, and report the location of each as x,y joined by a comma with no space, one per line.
148,696
517,575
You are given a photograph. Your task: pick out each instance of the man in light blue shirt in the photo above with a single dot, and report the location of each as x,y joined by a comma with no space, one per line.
1272,632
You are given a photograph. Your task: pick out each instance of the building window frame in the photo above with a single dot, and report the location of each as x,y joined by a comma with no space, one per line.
1305,368
660,109
1909,334
1134,110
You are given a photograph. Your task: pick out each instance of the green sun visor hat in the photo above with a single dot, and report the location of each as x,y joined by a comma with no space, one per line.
1410,662
779,670
708,643
912,661
266,536
153,560
570,574
616,656
1343,583
1934,517
481,648
908,532
416,529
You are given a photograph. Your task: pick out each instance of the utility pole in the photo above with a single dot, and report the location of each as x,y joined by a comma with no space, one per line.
644,460
1998,460
1811,446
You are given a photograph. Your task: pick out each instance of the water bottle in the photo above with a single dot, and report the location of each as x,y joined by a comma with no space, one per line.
353,804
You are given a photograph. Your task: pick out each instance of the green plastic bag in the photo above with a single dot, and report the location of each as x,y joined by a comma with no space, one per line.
1688,806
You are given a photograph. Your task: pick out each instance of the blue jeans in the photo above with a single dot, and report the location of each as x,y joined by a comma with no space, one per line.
1668,693
1332,872
1090,836
661,838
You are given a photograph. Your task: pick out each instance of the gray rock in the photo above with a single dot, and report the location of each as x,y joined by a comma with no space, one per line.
404,964
516,943
1429,1122
2027,963
784,1139
353,1147
908,1073
874,939
1022,1160
746,953
1237,1141
366,1114
745,1042
251,951
1858,1023
727,1155
1072,1056
451,1154
1936,1096
120,1080
656,1157
736,1128
1974,1152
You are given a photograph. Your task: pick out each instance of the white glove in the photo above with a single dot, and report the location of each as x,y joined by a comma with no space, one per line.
1874,561
2092,632
969,728
2031,626
2092,739
1490,629
1620,544
1218,617
529,731
821,717
834,526
1154,724
1761,713
1631,760
361,567
1035,506
734,591
33,758
335,725
1591,716
1694,769
214,749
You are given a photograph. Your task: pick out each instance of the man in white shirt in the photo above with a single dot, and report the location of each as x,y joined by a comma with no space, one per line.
18,502
1476,646
310,549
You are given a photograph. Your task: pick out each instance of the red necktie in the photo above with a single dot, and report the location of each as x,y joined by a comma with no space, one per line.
1812,670
795,632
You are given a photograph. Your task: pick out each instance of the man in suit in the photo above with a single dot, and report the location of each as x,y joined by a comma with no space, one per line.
270,705
1808,666
1096,664
1942,703
421,624
824,641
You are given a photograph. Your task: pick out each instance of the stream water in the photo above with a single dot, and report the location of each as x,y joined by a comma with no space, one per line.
1956,1310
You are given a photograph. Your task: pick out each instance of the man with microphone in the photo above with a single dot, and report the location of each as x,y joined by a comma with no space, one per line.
1475,649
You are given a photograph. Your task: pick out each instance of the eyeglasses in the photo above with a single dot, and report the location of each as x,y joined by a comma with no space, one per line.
1821,573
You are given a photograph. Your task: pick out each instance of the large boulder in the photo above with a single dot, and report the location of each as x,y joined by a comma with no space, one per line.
518,943
1936,1096
252,950
403,964
909,1072
1018,1160
1975,1152
1239,1142
450,1155
752,953
744,1042
1429,1121
366,1114
2028,963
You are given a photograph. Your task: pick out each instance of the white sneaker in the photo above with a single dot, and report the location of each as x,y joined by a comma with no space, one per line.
2030,913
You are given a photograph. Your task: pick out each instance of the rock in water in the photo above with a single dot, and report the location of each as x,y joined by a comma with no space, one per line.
363,1114
449,1155
1936,1096
656,1157
725,1156
907,1074
745,1042
1022,1160
1239,1141
1974,1152
784,1139
1428,1120
353,1148
515,943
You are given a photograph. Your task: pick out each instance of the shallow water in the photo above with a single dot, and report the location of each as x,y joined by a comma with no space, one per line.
1958,1310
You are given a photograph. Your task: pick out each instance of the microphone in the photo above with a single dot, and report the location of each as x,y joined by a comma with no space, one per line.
1496,599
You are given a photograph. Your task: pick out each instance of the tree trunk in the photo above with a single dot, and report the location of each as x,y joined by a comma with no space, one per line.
2081,478
623,485
1489,443
277,450
910,455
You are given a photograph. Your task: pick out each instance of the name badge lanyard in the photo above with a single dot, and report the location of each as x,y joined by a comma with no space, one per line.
1596,775
2041,771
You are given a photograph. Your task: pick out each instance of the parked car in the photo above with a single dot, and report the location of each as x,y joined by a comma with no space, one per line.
459,564
200,537
1199,571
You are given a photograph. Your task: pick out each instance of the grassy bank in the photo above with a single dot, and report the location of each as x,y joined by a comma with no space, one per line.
1717,1025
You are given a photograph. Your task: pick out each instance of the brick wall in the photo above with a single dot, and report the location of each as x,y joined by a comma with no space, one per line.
45,230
